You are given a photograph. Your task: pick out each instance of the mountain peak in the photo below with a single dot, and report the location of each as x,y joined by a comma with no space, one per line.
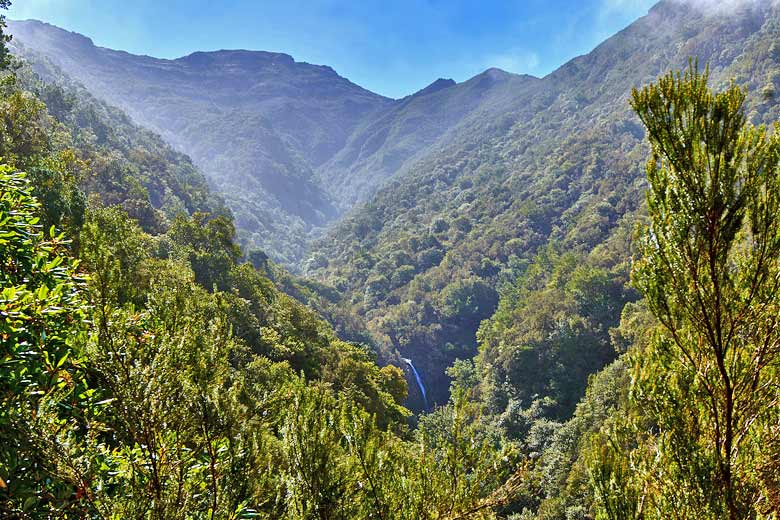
437,85
496,73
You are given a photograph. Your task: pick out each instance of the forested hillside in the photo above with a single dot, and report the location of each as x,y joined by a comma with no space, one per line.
536,299
148,372
557,178
290,146
111,158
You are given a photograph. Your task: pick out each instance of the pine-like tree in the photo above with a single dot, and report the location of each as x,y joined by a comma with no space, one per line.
710,270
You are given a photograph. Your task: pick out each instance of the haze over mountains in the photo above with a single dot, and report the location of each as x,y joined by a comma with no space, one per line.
430,203
290,145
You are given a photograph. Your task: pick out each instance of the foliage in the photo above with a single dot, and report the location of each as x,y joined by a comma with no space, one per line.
708,268
176,416
550,332
42,311
6,59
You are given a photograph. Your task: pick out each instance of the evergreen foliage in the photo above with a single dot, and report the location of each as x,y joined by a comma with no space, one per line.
150,368
148,373
708,267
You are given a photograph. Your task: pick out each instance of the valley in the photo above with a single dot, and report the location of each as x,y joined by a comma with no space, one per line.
520,285
446,193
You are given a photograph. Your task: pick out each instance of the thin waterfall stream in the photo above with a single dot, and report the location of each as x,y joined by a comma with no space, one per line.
420,384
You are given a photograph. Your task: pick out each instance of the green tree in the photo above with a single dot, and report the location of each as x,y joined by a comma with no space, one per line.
208,243
41,369
709,268
6,59
469,300
179,444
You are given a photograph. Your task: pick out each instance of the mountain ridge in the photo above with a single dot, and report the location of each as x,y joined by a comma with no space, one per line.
285,130
561,167
451,190
285,133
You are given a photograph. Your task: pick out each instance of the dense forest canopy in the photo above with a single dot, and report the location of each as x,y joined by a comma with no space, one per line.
523,323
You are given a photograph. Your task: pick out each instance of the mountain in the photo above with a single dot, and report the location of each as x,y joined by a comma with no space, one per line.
395,139
437,203
257,123
561,168
290,146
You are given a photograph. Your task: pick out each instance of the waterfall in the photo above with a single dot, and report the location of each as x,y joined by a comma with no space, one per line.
419,381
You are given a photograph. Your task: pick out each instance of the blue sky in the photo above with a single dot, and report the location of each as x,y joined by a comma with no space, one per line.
393,47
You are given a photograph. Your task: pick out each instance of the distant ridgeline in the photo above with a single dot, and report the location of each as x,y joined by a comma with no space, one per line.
291,146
